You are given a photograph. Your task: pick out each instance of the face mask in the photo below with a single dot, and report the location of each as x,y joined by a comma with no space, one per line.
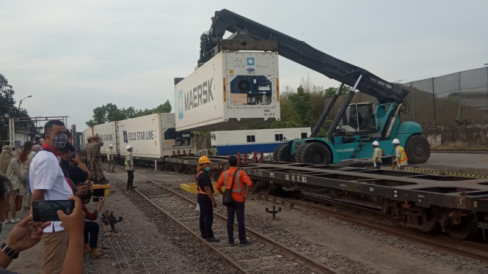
60,140
207,169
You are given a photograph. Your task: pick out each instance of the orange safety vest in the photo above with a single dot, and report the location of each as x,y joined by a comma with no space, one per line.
403,155
200,190
238,189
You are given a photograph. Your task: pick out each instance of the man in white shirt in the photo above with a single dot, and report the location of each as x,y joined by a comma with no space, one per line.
48,182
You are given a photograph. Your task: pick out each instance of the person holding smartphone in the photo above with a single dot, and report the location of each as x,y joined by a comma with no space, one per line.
28,233
48,182
92,228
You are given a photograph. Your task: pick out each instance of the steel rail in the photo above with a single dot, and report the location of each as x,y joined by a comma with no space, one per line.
466,249
314,265
227,260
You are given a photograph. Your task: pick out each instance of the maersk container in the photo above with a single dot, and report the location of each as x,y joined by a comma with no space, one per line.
153,137
229,90
107,132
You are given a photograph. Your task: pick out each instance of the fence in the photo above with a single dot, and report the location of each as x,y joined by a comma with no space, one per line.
455,99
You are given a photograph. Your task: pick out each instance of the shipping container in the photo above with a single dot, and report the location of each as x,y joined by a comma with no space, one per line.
229,142
107,132
153,137
231,89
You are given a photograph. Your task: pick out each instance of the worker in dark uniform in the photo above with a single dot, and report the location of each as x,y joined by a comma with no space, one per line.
206,200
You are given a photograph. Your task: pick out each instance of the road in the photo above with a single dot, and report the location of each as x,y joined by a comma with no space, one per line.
459,160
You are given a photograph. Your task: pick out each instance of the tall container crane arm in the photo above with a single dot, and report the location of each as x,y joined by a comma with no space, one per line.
301,53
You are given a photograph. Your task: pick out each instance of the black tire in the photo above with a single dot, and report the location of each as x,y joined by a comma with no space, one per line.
298,154
316,153
417,149
466,230
283,153
275,152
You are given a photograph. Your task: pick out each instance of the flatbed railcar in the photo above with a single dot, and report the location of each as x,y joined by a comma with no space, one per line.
426,202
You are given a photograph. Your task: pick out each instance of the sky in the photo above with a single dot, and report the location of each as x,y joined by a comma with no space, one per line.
74,56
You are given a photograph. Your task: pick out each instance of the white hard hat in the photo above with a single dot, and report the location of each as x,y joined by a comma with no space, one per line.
129,147
375,143
395,141
110,145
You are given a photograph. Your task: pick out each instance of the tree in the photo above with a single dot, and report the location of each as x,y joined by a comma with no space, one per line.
164,108
8,109
110,113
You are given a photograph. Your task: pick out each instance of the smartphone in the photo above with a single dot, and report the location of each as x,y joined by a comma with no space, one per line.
96,199
44,211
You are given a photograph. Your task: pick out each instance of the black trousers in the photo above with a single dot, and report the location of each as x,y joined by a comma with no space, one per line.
130,178
91,233
236,209
206,216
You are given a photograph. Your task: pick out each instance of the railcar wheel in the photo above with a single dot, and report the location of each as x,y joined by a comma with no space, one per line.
284,153
465,229
316,153
417,149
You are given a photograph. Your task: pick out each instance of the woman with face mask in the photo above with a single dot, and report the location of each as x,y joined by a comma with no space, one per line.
13,175
25,159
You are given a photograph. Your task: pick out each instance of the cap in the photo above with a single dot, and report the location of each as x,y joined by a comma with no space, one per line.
395,141
375,143
129,147
110,145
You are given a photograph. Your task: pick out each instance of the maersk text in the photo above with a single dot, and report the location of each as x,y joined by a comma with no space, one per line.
199,95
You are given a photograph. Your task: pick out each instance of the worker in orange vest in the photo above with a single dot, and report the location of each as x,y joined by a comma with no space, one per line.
206,200
240,192
400,157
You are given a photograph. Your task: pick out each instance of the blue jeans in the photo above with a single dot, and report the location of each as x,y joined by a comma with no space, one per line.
236,209
206,216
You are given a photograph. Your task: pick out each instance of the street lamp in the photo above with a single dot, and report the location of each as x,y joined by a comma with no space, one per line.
20,102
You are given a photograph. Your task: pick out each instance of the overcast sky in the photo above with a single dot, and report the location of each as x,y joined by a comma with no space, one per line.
73,56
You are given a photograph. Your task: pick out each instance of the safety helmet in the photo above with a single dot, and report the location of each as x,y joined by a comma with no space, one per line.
395,141
375,143
203,160
110,145
129,147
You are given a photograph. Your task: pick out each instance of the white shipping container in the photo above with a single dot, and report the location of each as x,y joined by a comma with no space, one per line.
229,90
153,137
107,132
229,142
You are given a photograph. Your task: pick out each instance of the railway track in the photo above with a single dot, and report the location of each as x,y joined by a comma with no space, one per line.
264,255
473,250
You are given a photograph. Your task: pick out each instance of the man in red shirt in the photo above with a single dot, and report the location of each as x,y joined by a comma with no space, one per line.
240,191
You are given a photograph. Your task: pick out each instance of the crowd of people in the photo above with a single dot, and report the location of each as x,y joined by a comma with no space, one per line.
51,171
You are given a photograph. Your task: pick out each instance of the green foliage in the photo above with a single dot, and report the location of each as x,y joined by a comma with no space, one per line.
8,109
110,113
